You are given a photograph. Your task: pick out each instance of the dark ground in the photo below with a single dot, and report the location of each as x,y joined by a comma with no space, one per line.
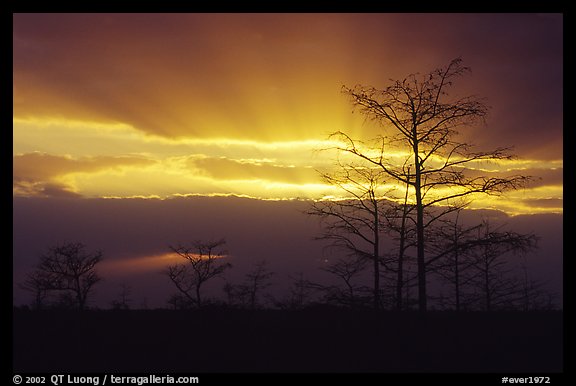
320,341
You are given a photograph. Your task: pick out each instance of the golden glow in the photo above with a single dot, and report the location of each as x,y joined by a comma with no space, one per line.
116,160
215,104
157,262
142,263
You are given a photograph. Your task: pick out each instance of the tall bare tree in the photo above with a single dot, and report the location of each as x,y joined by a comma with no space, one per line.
204,261
420,119
67,269
354,224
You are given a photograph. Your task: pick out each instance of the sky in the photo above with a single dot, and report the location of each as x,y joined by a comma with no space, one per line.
144,110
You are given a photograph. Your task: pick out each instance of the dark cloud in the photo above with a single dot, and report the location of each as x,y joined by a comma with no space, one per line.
55,190
545,203
130,231
32,172
43,189
538,176
544,177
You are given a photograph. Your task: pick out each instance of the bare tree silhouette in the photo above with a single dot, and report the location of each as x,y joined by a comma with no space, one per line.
256,281
123,301
398,226
492,279
347,270
451,244
533,295
421,121
67,269
300,293
37,283
475,261
355,223
203,262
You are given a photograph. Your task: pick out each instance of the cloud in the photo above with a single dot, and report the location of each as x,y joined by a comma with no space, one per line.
42,166
545,202
43,189
128,176
540,173
545,177
38,173
228,169
55,190
120,105
274,77
213,73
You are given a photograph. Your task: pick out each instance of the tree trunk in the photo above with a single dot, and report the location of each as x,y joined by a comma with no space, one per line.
457,278
422,299
456,266
376,257
39,299
400,275
78,290
351,294
400,268
198,298
253,296
487,295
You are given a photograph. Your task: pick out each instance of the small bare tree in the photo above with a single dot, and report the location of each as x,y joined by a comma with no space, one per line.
474,261
123,301
299,296
203,262
37,283
247,293
495,285
67,269
347,270
450,245
532,294
256,281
